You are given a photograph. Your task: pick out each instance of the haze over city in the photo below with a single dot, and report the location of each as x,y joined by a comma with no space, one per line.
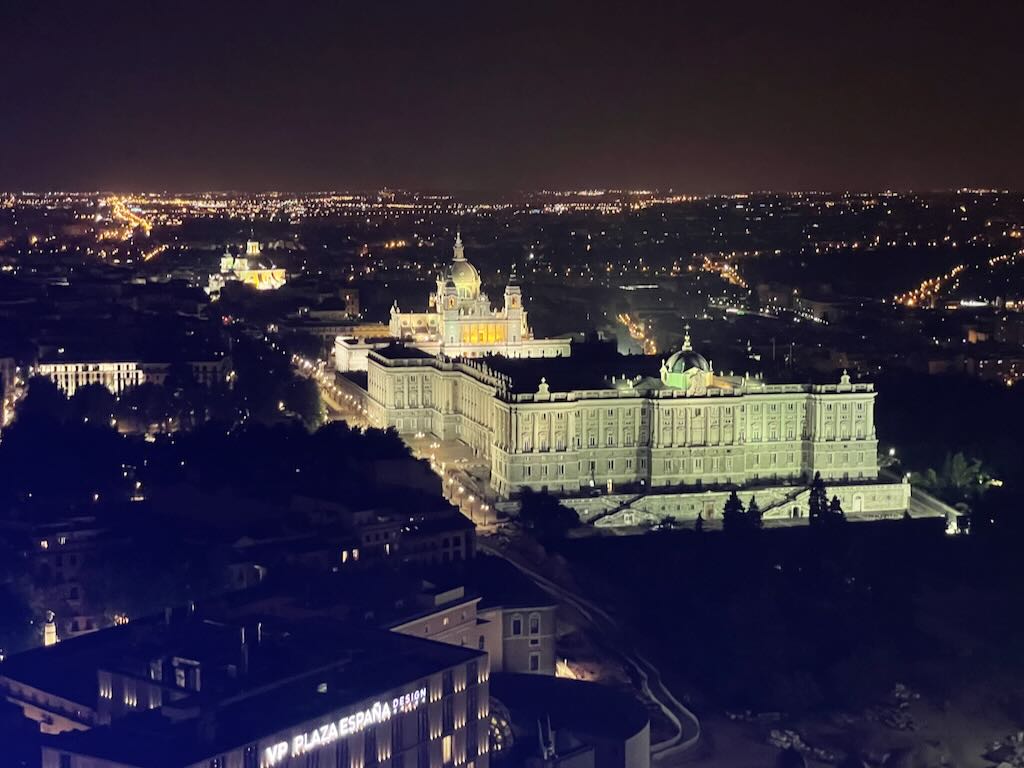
495,96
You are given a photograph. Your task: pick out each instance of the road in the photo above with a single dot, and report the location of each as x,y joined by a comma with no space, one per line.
340,407
688,729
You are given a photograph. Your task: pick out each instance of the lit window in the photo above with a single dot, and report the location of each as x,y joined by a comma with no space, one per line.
446,749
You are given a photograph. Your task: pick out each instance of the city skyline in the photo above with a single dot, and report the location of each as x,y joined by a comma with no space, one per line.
561,385
343,97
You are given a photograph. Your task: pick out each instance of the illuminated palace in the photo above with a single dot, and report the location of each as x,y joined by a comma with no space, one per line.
459,323
661,437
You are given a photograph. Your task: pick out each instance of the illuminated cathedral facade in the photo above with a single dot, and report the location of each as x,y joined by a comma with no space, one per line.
462,323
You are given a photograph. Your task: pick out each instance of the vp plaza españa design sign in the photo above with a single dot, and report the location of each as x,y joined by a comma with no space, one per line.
345,726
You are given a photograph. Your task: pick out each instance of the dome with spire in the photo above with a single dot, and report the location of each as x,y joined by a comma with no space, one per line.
462,273
677,370
686,360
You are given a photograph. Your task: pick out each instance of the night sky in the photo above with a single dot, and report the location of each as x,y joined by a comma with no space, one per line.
700,97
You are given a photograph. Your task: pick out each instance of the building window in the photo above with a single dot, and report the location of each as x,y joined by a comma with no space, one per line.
534,623
370,746
481,643
422,724
517,625
397,742
446,750
535,662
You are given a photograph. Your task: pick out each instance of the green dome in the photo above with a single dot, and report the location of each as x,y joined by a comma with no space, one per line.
686,360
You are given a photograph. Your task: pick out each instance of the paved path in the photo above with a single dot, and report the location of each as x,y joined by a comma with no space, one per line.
687,725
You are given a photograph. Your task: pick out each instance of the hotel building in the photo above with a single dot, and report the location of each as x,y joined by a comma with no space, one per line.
189,692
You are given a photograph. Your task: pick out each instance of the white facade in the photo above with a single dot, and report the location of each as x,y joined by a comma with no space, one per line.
119,375
689,429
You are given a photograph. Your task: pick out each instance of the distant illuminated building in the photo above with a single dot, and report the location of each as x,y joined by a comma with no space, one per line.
71,372
460,322
249,268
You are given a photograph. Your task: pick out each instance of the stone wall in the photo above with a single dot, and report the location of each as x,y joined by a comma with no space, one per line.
860,501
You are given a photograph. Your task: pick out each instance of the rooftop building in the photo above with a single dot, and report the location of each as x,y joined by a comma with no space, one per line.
185,690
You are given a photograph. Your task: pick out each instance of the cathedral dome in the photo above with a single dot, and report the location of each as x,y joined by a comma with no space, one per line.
685,360
465,277
464,274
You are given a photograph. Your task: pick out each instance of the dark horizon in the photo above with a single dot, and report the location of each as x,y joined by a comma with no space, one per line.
806,97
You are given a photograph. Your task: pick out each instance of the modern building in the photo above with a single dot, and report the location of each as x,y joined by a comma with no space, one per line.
459,322
640,425
186,691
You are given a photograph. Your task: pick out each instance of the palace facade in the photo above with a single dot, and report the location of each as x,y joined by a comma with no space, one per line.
636,423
